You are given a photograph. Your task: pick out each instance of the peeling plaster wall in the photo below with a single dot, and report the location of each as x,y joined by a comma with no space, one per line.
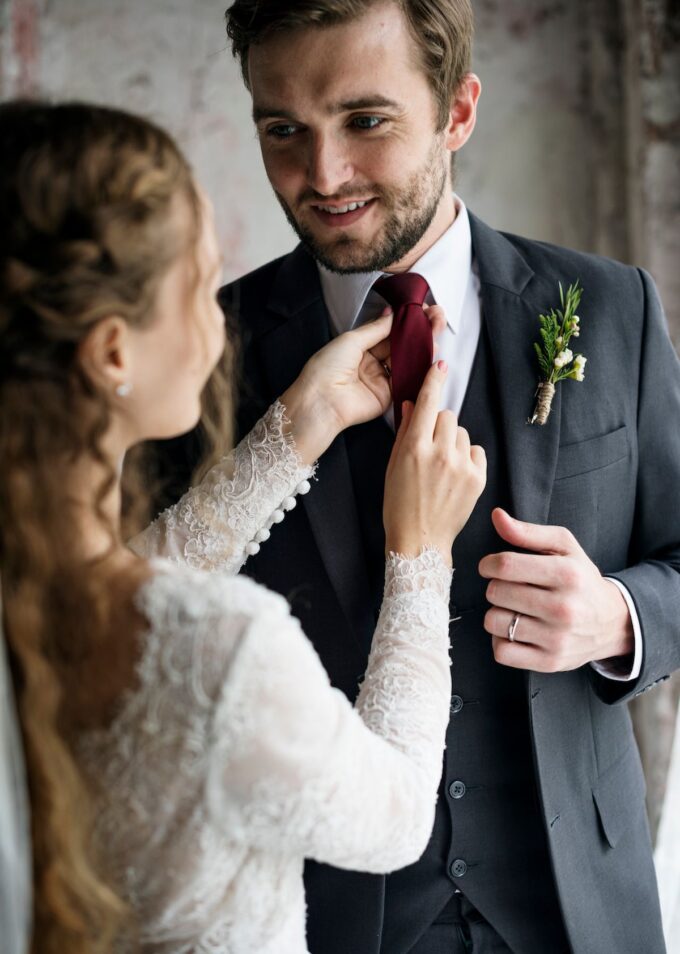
166,59
523,169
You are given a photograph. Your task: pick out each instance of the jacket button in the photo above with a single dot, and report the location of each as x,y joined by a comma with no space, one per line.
456,704
458,868
457,789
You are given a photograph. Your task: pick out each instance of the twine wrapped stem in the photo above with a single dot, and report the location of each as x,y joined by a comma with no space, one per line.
546,393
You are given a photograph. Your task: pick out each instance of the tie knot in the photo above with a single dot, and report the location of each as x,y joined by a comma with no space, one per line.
404,289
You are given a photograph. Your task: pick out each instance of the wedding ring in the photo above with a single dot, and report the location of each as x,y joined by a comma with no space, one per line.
386,369
512,628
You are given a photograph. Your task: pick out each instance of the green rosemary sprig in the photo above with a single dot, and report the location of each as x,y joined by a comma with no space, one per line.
555,358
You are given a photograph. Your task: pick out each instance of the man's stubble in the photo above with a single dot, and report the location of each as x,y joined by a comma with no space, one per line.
411,210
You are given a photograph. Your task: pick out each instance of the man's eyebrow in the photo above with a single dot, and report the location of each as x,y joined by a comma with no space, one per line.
366,102
268,112
371,101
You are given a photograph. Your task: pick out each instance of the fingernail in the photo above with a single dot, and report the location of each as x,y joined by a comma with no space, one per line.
443,366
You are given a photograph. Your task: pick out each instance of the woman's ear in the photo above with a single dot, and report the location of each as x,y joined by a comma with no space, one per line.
463,114
105,354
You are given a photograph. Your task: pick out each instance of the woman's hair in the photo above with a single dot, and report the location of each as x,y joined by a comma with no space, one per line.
88,230
442,33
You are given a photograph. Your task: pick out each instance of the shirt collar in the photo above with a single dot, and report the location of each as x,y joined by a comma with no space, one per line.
445,266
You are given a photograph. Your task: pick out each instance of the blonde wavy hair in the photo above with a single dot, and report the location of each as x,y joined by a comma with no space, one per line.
85,201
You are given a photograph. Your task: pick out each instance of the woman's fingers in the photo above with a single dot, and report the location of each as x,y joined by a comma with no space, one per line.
406,415
446,428
373,332
478,455
437,318
427,404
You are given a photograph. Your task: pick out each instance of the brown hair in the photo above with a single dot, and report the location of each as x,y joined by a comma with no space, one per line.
86,202
442,31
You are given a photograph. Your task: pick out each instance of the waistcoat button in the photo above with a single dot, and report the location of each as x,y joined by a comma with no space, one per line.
456,704
458,868
457,789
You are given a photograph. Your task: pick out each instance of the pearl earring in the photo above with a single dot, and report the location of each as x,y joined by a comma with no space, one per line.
124,389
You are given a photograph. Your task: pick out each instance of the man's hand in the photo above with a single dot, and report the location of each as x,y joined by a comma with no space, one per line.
570,614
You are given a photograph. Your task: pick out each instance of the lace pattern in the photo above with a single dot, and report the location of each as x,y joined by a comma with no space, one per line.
223,520
233,758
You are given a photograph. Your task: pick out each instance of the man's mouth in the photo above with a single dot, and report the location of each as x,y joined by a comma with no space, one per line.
339,214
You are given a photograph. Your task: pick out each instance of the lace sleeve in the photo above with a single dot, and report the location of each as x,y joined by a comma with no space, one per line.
296,769
223,520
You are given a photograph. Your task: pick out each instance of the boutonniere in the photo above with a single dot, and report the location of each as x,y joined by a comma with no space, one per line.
555,357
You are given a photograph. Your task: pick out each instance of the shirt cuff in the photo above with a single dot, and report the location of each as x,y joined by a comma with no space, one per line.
612,668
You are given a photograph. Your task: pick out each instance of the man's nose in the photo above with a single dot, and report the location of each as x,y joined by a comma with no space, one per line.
329,164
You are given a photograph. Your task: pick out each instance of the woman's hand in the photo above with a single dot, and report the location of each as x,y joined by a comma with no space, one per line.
344,383
434,477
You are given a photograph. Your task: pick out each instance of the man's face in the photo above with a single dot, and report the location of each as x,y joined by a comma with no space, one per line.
347,127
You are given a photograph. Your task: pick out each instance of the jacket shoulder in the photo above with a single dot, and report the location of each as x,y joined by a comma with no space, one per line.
250,292
567,264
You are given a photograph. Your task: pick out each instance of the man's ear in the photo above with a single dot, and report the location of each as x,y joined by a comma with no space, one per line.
105,353
463,114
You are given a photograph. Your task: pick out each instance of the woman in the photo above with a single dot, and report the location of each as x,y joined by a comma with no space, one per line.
185,749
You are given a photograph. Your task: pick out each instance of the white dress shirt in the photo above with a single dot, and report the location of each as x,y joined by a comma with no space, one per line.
450,271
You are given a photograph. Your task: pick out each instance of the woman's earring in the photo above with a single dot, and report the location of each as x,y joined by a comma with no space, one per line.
124,389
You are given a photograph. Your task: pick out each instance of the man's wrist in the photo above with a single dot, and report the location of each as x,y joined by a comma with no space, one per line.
620,641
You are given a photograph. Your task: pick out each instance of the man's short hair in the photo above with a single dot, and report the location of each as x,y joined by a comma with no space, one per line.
441,29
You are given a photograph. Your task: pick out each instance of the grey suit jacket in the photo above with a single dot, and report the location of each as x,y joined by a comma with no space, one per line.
606,465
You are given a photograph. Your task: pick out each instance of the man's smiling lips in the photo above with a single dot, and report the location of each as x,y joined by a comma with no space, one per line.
337,214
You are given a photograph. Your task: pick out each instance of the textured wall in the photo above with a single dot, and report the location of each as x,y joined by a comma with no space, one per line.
166,59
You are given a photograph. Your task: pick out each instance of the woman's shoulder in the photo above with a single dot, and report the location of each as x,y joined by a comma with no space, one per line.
183,595
197,620
192,627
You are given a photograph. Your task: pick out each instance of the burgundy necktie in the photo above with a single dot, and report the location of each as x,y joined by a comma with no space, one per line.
411,347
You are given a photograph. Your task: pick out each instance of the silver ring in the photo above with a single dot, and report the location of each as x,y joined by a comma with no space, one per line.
386,369
512,628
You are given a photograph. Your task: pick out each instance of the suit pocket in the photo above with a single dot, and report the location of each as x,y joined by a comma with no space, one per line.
593,454
618,794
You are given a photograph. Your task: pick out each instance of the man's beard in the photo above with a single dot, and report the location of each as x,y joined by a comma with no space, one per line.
410,213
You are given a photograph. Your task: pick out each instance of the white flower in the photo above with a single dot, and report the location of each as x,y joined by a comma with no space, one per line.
578,372
564,357
559,341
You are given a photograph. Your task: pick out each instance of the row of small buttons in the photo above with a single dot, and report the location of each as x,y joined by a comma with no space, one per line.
456,790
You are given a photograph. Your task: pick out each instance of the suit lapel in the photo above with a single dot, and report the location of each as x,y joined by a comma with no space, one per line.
512,298
330,506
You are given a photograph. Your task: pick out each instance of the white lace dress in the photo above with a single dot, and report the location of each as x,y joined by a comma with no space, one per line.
233,759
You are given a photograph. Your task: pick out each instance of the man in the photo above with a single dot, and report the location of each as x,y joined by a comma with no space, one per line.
540,844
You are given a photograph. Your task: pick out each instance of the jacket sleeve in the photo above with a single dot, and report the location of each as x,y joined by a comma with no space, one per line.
653,575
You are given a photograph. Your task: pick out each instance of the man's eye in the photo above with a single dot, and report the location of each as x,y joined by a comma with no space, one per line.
367,122
282,131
